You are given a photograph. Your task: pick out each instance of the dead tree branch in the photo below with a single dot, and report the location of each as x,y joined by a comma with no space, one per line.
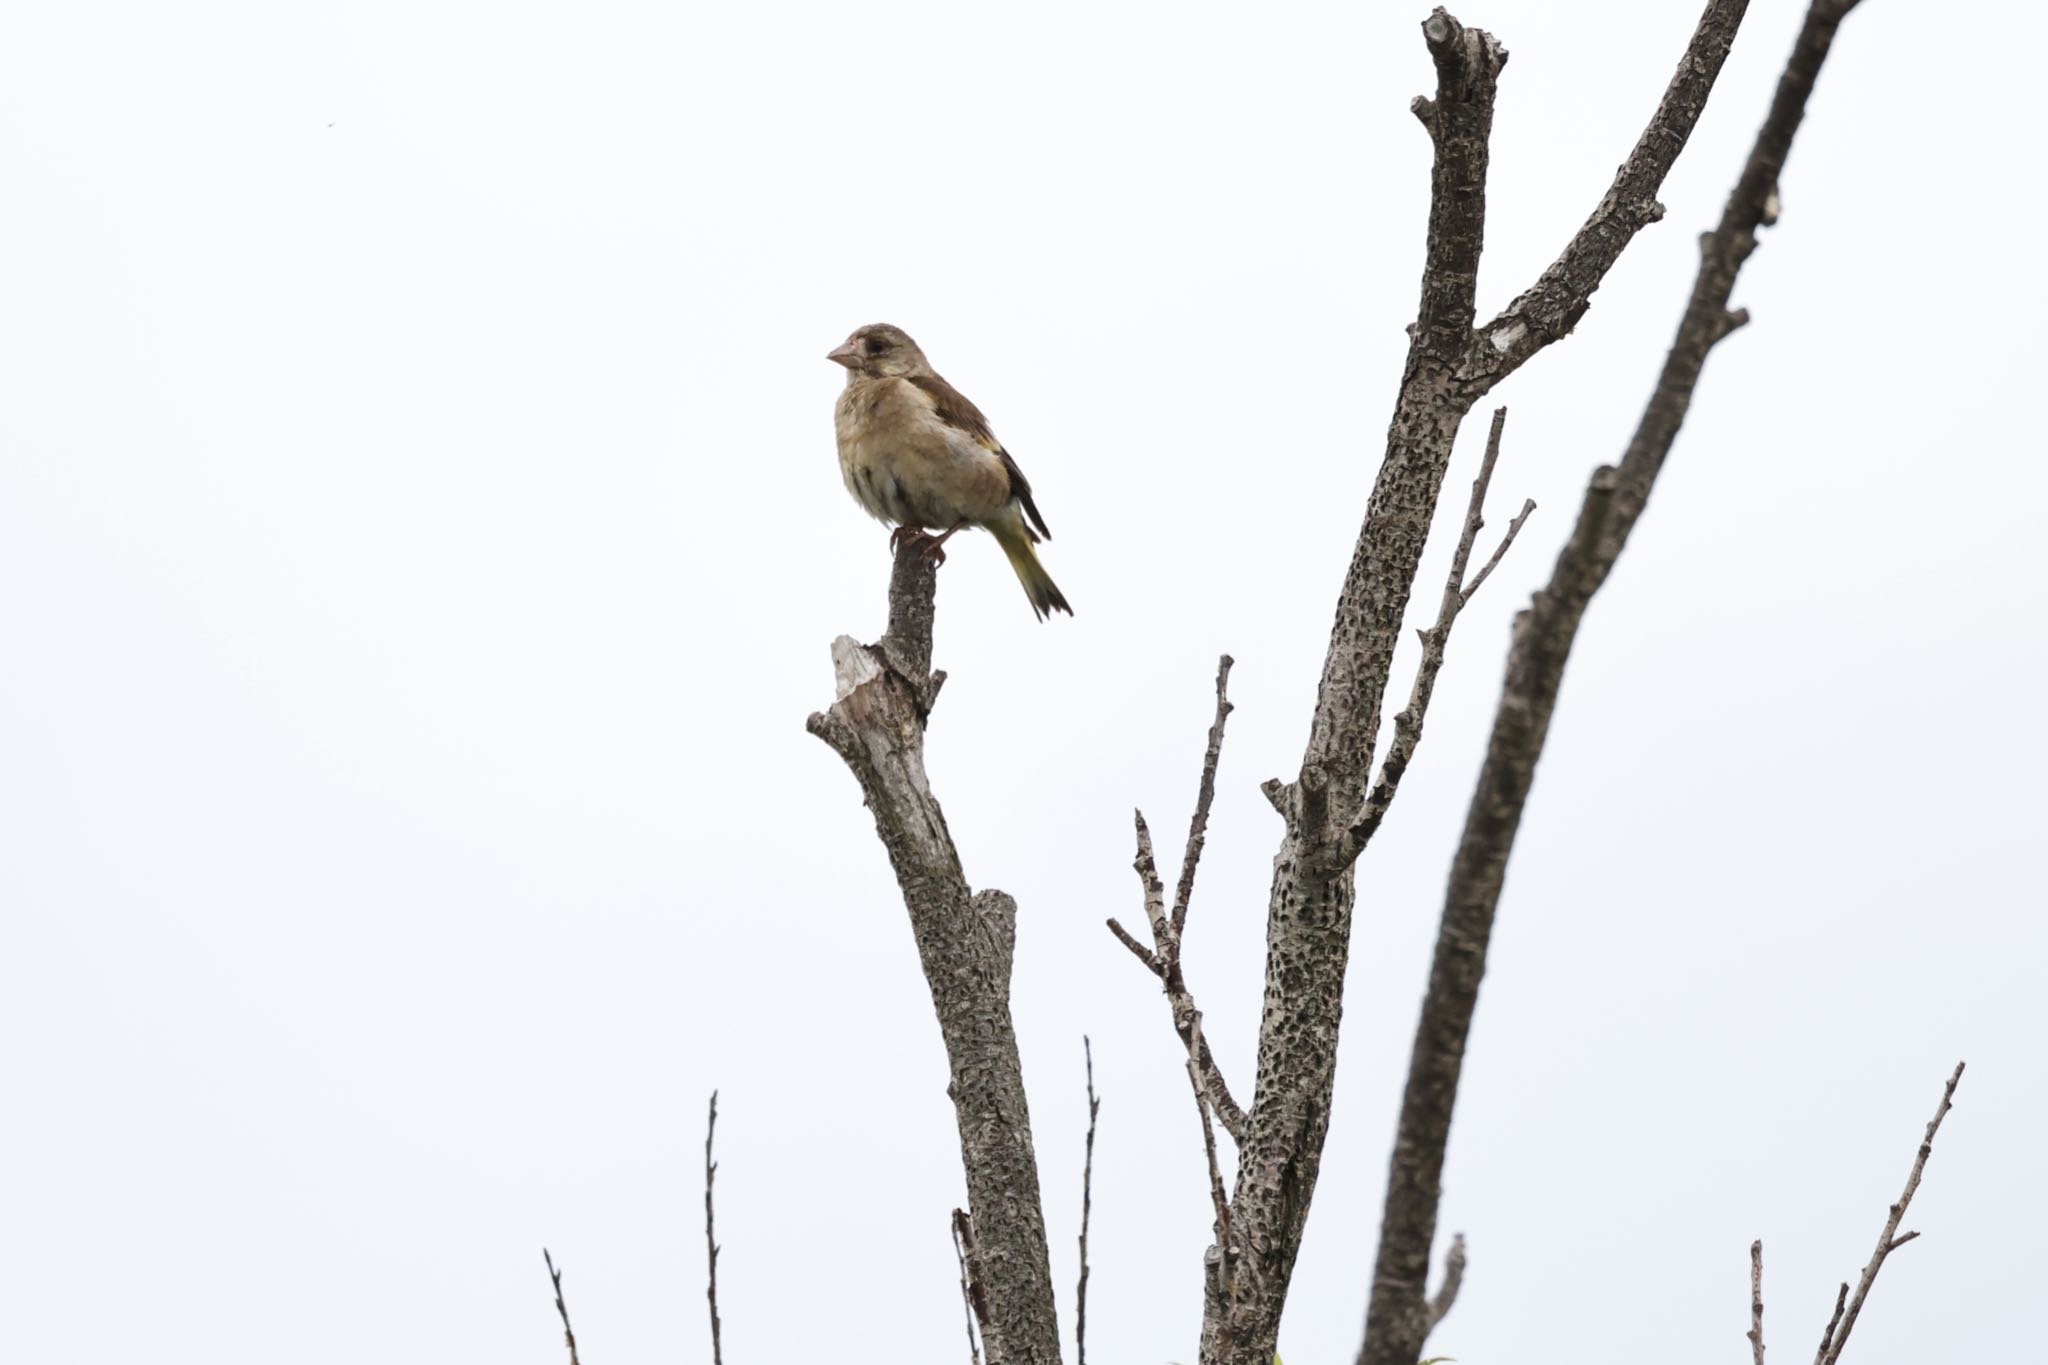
1888,1240
1087,1204
1220,1286
960,1230
1457,592
1449,367
965,943
561,1306
1163,959
711,1230
1756,1303
1454,1279
1544,633
1841,1302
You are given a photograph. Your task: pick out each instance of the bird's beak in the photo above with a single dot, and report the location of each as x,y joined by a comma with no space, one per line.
846,353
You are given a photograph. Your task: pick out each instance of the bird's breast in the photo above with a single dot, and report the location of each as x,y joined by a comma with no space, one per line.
906,466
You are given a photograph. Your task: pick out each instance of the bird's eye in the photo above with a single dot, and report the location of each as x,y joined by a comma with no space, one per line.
876,345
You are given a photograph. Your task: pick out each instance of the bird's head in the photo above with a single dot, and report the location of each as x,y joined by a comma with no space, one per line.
879,351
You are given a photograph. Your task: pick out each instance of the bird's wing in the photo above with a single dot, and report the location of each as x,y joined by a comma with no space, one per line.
952,407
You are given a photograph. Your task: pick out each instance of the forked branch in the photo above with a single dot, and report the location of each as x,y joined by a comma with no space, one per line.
1544,634
1457,593
1450,366
1890,1239
1163,958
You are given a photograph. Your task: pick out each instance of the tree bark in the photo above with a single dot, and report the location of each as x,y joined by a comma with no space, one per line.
1450,366
1397,1320
965,942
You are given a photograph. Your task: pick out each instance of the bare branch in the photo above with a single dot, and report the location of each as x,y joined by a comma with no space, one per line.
1888,1241
1551,307
1087,1201
1460,122
1228,1112
1163,959
1408,721
1756,1303
1514,529
1310,910
1205,794
965,943
1153,962
711,1230
1147,868
1454,1279
1543,639
1841,1302
561,1306
974,1302
1217,1197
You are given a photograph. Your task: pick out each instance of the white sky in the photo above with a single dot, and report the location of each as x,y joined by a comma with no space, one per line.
420,542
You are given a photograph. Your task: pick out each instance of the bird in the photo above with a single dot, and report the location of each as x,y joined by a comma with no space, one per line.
914,452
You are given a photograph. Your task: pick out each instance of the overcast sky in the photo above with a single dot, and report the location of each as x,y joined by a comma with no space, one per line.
420,543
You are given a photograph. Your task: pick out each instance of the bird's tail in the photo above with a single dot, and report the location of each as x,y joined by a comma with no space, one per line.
1015,538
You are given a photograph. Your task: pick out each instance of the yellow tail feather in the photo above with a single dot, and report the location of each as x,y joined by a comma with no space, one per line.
1045,595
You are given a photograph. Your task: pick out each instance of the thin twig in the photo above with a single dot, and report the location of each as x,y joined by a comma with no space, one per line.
1148,875
1205,794
1454,1278
1408,721
1756,1302
1153,962
561,1306
977,1283
1514,529
711,1230
1163,959
1217,1197
966,1293
1889,1241
1087,1201
1841,1302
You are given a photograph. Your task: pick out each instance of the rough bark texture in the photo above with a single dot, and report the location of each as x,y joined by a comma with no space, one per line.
965,942
1450,366
1397,1320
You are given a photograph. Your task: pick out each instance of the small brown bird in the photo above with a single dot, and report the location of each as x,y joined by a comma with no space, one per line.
916,453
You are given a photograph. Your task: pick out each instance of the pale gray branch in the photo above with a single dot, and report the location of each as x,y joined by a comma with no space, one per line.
1408,721
1756,1303
966,1291
1087,1206
966,946
1163,959
1544,634
1888,1240
711,1231
1311,904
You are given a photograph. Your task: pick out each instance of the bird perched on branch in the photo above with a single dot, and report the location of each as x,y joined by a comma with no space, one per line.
916,453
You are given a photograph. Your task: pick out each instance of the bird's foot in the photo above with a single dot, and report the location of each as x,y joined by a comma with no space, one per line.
935,546
904,536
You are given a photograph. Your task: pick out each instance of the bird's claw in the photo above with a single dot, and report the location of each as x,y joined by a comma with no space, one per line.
930,546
